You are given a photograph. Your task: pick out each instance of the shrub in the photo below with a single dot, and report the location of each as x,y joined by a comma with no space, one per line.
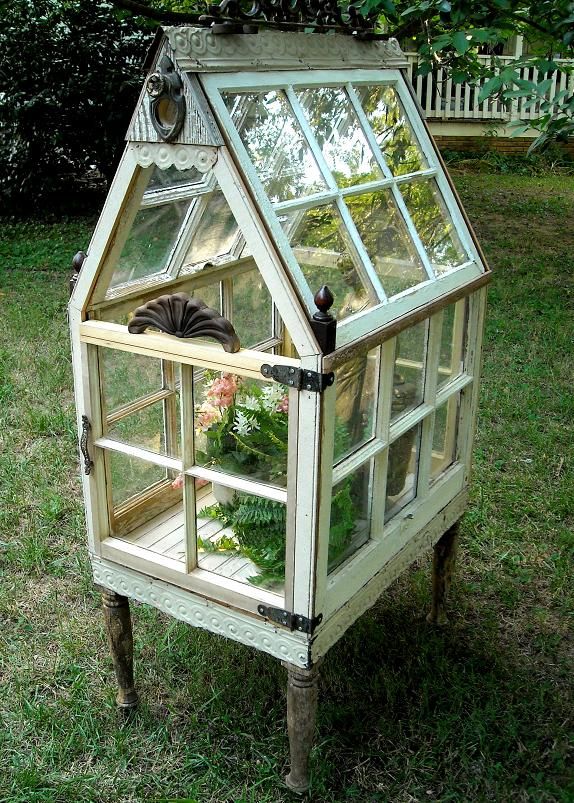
70,74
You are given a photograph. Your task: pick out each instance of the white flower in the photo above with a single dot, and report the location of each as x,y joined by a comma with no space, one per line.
271,395
243,424
250,403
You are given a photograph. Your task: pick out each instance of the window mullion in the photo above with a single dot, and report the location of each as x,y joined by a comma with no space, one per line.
431,373
368,131
364,264
417,242
372,140
188,458
310,137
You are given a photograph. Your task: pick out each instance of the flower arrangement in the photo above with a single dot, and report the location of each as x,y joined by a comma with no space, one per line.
241,428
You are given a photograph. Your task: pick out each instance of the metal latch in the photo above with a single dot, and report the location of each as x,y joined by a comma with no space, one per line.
298,378
294,621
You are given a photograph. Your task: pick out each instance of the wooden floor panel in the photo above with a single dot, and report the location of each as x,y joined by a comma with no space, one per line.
165,534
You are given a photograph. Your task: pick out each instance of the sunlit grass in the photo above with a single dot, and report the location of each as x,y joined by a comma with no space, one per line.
478,712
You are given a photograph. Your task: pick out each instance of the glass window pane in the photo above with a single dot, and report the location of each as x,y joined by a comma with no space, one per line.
434,225
402,470
451,343
210,294
242,537
356,406
252,309
130,477
394,135
275,143
150,242
319,240
215,230
241,427
154,427
126,377
444,436
408,379
350,515
387,241
340,136
172,177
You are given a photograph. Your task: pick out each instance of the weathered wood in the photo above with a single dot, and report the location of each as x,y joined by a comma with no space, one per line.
442,569
120,639
302,696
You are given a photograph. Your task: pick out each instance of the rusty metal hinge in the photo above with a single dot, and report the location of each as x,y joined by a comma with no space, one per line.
294,621
86,427
298,378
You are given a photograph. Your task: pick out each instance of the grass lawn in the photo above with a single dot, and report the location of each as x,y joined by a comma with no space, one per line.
477,712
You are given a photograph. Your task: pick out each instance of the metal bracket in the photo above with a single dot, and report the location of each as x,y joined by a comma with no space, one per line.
86,427
294,621
298,378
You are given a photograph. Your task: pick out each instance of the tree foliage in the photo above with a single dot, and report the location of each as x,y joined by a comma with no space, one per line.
453,34
70,76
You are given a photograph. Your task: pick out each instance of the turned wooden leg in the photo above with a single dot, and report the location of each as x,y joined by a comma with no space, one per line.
302,693
119,629
442,568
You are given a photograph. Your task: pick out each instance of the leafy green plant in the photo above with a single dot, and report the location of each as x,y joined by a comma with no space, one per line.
259,531
242,428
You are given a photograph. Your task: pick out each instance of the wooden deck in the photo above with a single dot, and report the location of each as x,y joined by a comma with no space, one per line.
165,534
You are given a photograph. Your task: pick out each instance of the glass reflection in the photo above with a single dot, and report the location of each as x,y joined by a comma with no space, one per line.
434,225
451,343
402,470
408,378
275,143
340,136
394,135
215,229
319,241
356,385
150,242
386,240
350,515
444,436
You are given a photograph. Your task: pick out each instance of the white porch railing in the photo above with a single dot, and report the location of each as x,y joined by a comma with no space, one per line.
441,99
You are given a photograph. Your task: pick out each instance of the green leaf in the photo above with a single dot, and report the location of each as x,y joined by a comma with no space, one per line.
490,87
461,42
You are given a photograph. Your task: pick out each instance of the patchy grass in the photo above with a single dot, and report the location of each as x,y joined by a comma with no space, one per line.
478,712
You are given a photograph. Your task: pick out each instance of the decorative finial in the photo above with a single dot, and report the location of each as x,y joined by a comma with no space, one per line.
323,301
77,263
323,323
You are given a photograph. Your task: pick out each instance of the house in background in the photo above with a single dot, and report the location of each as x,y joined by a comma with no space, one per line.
459,122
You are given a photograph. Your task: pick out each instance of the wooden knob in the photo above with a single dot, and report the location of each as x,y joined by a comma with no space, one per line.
324,299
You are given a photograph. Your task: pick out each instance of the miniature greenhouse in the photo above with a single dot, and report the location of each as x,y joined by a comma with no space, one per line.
276,342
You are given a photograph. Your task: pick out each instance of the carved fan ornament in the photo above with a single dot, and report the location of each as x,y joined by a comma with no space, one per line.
178,314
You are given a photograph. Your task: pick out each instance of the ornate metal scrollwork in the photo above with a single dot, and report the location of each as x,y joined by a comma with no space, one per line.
178,314
231,16
167,102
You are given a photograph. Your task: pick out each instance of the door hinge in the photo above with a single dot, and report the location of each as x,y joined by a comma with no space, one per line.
298,378
294,621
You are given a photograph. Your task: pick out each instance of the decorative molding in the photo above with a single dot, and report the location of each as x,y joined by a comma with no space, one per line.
178,314
336,625
198,126
200,612
199,50
183,157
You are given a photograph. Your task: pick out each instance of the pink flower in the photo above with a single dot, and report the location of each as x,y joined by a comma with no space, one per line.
178,482
200,483
222,391
208,415
283,406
